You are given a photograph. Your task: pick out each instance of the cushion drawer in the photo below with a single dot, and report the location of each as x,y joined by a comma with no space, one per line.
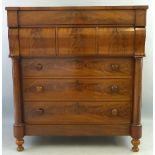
77,112
76,41
91,41
77,67
77,89
37,42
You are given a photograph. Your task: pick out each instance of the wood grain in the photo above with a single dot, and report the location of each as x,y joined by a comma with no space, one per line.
141,7
37,41
77,112
116,41
140,34
140,18
76,41
77,89
12,18
77,70
18,127
17,91
44,42
77,67
13,42
77,130
137,92
112,17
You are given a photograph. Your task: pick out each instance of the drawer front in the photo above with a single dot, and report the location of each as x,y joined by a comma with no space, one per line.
77,112
116,41
111,17
91,41
77,89
37,42
43,42
76,41
77,67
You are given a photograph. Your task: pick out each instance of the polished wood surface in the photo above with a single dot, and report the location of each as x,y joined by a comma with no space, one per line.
77,67
37,41
115,41
140,34
77,70
77,112
27,18
77,130
137,7
13,42
135,143
78,41
20,145
77,89
114,15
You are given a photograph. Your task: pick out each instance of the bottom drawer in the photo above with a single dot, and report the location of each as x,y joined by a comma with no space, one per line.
77,112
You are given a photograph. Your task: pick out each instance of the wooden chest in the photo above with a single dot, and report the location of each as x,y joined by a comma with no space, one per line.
77,70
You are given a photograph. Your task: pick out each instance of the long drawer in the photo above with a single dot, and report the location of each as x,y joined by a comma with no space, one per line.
77,112
76,16
77,89
77,67
76,41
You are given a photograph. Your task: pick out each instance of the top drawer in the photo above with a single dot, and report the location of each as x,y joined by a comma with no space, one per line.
101,15
76,17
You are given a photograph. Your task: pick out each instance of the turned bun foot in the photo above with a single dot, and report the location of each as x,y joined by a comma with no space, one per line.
135,143
20,145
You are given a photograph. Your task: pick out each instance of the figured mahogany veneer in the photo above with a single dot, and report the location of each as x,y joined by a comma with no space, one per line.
77,89
77,112
77,67
77,70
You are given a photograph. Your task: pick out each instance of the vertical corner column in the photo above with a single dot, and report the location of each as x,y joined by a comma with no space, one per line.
136,127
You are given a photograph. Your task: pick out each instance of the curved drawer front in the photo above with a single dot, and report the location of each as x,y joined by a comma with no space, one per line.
116,41
77,112
77,67
37,42
77,89
76,41
95,41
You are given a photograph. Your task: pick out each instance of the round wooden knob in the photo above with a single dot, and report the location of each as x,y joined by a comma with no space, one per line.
114,88
115,67
39,67
40,111
114,112
39,89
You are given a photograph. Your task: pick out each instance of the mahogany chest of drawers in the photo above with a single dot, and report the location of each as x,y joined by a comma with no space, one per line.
77,70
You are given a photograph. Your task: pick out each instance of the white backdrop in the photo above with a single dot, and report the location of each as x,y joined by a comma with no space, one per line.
147,91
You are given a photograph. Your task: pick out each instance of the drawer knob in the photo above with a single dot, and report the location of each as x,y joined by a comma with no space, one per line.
39,89
114,88
39,67
115,67
39,111
114,112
